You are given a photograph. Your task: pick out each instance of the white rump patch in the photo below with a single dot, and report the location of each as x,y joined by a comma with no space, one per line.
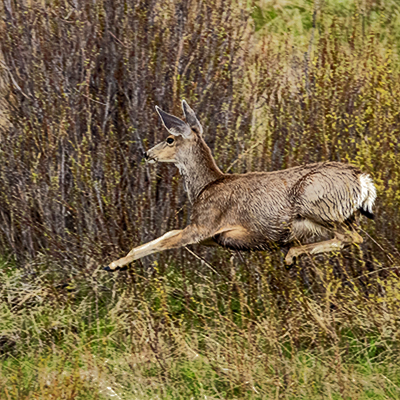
368,193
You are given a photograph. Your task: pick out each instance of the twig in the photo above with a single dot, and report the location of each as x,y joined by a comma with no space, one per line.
202,260
88,97
243,154
117,40
307,54
385,252
13,80
370,273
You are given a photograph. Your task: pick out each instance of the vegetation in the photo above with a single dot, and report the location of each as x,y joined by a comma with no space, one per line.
275,84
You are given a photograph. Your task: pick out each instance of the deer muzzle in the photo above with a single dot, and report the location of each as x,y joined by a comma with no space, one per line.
148,158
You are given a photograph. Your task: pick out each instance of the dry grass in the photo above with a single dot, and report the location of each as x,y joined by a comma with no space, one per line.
316,81
244,333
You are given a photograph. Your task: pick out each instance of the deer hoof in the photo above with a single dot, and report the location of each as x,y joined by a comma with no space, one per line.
289,259
109,269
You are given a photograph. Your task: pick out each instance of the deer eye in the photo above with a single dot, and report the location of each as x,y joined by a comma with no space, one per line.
170,140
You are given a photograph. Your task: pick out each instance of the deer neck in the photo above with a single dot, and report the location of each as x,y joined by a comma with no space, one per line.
198,169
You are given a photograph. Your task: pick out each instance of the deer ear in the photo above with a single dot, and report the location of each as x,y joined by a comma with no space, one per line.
174,125
191,118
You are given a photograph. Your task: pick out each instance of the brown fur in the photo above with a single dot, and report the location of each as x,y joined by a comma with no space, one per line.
255,210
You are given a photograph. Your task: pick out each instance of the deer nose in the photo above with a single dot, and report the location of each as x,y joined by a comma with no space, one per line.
145,156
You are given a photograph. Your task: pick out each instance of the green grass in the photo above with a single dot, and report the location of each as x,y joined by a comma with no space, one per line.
303,19
111,336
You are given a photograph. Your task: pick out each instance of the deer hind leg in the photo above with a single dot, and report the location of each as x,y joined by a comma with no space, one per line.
171,240
209,242
340,241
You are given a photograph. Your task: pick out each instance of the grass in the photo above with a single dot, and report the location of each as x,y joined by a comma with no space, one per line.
145,335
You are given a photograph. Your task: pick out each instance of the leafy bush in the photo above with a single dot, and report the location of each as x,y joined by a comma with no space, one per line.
83,82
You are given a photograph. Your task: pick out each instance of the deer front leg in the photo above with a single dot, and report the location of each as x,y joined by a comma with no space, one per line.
171,240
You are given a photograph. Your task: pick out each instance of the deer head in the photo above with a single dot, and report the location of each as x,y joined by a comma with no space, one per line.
181,139
186,148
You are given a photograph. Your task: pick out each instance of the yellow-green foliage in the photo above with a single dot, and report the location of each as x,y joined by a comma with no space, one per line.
275,84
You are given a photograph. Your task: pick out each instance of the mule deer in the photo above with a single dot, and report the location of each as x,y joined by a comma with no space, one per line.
253,210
